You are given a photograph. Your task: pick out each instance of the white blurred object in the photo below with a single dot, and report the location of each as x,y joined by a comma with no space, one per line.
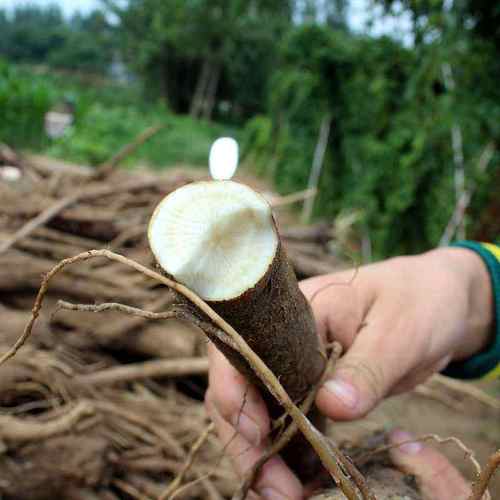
223,159
56,123
9,173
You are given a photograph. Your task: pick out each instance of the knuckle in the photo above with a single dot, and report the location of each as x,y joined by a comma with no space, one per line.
227,410
375,380
372,376
225,402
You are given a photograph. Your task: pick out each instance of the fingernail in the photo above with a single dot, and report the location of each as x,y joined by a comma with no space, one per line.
247,428
408,448
271,494
347,393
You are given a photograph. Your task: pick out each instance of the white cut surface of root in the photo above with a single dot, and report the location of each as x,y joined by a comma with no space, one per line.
217,238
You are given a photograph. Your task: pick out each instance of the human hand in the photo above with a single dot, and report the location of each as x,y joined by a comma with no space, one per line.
399,321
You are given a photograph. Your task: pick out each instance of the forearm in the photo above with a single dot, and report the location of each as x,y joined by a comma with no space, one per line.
473,280
479,353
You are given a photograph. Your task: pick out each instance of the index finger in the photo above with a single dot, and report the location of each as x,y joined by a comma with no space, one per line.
337,306
236,400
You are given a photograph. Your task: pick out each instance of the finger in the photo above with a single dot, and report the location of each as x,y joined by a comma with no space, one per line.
237,401
336,305
276,481
366,373
436,477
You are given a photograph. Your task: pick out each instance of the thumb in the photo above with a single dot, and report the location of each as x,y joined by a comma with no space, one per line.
362,377
436,477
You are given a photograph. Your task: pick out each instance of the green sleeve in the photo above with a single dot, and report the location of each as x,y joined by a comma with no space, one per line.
485,363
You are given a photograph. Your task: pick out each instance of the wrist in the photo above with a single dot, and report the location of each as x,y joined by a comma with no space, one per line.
470,276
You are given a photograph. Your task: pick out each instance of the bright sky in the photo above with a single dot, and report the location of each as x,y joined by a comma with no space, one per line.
359,13
68,6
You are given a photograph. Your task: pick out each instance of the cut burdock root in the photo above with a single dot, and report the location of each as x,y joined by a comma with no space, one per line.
219,238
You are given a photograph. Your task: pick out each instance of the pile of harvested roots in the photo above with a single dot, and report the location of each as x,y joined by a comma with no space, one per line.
103,405
109,406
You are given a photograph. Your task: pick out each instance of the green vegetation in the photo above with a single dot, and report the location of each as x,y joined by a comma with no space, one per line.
101,131
402,115
199,54
390,155
23,104
34,34
107,117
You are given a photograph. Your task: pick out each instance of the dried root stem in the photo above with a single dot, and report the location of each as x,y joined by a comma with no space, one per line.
130,490
148,369
14,429
175,484
480,486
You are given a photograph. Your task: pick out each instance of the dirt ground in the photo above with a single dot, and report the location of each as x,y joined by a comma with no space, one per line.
475,424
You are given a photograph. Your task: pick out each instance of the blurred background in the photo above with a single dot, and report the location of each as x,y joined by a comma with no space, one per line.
395,103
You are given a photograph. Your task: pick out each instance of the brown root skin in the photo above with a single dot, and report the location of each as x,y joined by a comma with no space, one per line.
260,297
277,322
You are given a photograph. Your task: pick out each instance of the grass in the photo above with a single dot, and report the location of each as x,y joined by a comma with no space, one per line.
24,100
102,130
107,116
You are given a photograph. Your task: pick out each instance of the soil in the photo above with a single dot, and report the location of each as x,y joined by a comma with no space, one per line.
476,425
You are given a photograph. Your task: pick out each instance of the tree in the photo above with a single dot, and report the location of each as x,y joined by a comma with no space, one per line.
31,32
188,51
90,44
42,35
390,158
